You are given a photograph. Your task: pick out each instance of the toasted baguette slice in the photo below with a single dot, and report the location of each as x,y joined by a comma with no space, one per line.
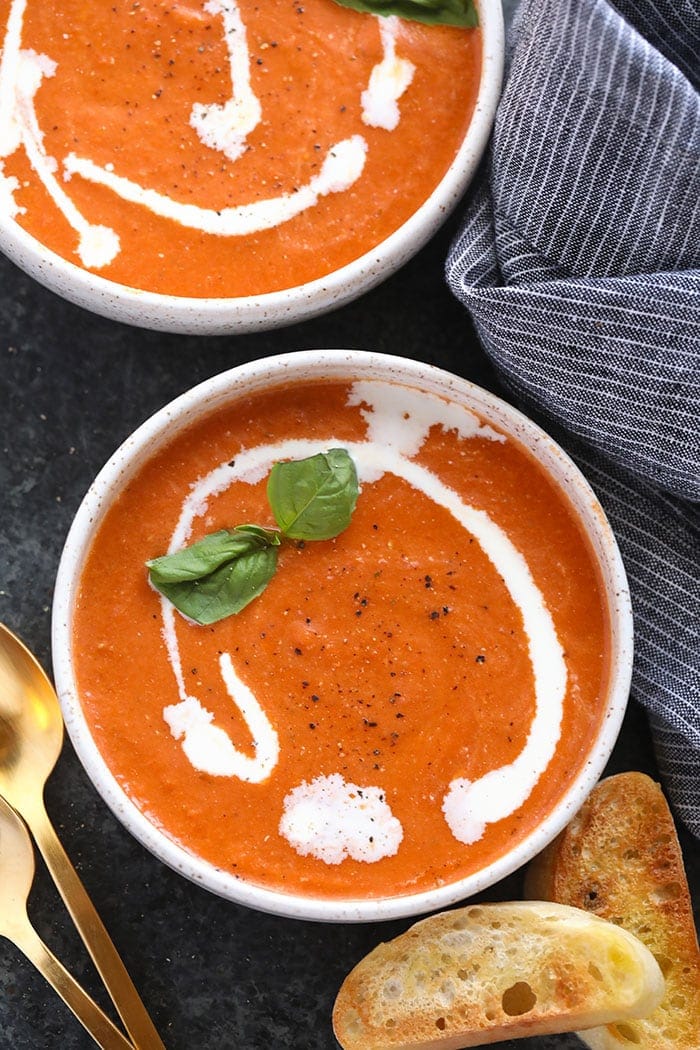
620,859
490,972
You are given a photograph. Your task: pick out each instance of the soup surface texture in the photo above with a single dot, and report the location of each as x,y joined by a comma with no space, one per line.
224,148
403,702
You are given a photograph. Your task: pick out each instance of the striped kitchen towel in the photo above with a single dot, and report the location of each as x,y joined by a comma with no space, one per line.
579,262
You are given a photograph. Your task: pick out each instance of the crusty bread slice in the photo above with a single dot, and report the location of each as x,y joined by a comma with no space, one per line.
490,972
620,859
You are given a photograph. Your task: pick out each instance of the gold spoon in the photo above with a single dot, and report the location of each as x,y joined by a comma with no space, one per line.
16,875
31,736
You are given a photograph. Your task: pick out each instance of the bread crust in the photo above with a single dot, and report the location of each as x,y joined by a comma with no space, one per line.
620,859
488,972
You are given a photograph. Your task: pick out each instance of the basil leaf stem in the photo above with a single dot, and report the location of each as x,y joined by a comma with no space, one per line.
461,13
311,499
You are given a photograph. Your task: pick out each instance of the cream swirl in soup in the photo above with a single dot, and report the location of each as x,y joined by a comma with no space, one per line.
398,423
225,147
422,677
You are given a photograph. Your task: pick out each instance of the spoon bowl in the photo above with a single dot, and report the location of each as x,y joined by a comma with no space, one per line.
31,724
16,870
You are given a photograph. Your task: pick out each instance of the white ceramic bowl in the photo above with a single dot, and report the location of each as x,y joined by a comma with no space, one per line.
236,315
340,365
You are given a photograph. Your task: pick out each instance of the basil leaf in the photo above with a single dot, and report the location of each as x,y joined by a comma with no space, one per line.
203,557
220,574
226,590
433,12
313,499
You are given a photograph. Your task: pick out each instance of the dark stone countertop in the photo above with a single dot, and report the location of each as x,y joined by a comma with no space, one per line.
72,387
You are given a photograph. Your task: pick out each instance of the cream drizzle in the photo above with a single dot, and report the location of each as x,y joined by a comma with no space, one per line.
97,245
398,422
388,81
21,76
226,128
341,167
10,128
223,128
209,748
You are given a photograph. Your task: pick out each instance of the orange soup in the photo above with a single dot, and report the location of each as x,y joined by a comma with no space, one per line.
218,149
404,702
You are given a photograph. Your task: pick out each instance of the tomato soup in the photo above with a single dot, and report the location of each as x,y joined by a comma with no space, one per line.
404,703
224,148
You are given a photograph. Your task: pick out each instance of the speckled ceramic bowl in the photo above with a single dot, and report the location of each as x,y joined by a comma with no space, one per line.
342,366
209,316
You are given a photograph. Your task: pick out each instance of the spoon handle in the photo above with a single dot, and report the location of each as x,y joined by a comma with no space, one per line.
85,1009
90,927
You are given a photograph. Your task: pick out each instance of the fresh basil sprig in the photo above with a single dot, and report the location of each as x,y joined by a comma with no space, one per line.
433,12
311,499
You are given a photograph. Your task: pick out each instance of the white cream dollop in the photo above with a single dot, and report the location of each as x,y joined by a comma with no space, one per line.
342,166
331,819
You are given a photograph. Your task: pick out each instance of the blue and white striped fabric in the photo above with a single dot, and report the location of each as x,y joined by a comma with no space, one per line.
579,262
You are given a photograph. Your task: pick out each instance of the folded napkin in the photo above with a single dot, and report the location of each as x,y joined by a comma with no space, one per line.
579,262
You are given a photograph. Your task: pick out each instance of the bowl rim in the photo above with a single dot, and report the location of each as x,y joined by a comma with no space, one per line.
218,316
337,364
